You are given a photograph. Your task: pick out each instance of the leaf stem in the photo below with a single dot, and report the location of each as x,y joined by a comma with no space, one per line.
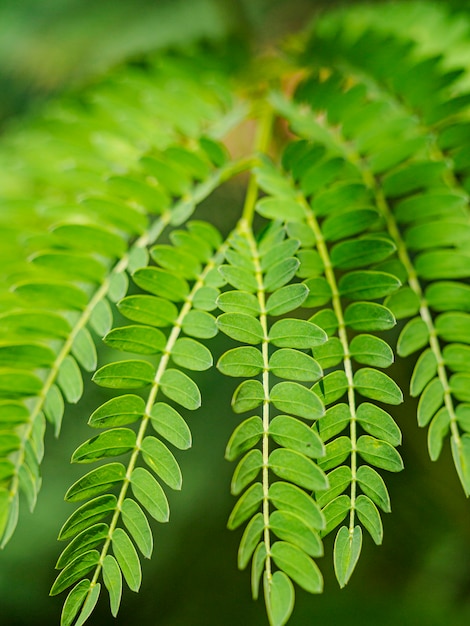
343,337
262,141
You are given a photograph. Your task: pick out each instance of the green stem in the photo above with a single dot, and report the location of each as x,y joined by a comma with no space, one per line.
343,337
262,141
246,231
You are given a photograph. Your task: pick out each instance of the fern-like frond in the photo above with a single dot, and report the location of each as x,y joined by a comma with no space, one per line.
102,214
419,186
181,289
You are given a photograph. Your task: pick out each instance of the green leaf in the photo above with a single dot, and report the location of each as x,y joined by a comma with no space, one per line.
294,365
329,354
89,605
127,558
191,354
119,411
70,380
286,299
368,316
431,400
457,357
241,362
461,456
244,437
287,497
59,296
369,516
87,515
149,310
377,386
246,471
78,568
91,238
25,355
293,434
280,598
108,444
161,283
19,383
424,371
150,494
248,395
427,205
83,349
371,350
280,209
448,296
358,253
112,578
291,528
404,303
176,260
348,223
239,302
199,324
168,423
239,278
297,468
83,542
336,419
459,386
74,601
443,264
54,408
311,264
413,337
137,339
438,431
339,479
346,553
259,559
246,506
372,485
118,286
241,327
412,177
131,374
298,566
250,539
335,512
159,458
367,285
137,524
331,387
454,327
34,325
205,298
280,274
378,423
96,481
293,333
379,453
320,292
336,452
179,387
101,319
295,399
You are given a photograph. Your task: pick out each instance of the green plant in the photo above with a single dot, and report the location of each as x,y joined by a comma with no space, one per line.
358,187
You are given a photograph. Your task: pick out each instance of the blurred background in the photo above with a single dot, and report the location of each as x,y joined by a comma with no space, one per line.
421,574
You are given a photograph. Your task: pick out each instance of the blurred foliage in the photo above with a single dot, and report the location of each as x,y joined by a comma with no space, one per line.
421,575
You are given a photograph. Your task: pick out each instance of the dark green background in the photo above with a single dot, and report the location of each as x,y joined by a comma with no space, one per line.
421,574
